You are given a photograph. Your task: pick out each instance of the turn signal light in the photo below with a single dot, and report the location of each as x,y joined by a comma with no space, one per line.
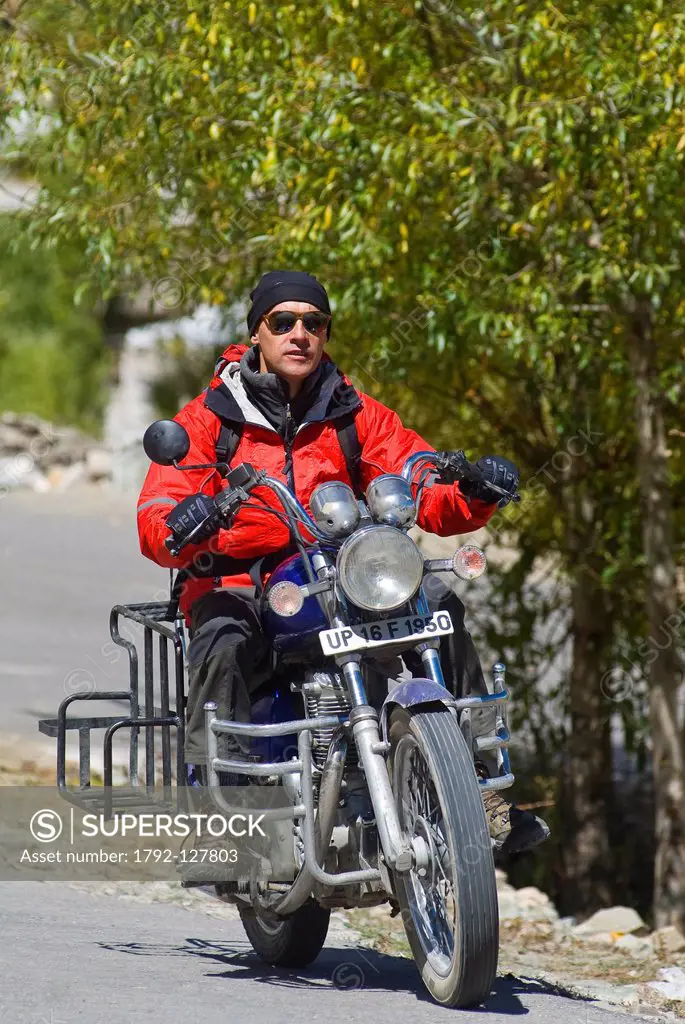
285,599
469,562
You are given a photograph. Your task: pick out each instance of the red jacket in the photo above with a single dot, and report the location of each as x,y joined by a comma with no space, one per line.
316,457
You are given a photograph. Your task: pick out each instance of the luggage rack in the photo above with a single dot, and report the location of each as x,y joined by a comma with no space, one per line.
140,793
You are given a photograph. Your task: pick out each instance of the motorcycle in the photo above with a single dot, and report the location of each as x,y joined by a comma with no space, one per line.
383,799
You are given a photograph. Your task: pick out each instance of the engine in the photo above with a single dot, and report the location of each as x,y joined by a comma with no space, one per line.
325,694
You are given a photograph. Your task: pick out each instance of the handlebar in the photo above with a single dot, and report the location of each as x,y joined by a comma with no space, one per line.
451,467
241,481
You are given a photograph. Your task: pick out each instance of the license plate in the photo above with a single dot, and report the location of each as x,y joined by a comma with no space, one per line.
384,632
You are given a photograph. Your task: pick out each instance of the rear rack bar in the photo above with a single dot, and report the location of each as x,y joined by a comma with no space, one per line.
152,616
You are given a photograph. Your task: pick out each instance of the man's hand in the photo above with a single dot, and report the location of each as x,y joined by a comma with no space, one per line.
496,470
196,511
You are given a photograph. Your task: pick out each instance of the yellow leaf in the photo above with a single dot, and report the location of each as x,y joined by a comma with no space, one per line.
464,171
404,245
404,231
327,218
212,36
681,144
215,130
192,21
252,14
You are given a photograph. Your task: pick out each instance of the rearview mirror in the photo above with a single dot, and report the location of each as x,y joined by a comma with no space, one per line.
166,442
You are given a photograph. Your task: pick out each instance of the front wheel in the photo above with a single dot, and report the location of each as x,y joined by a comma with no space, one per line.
449,900
292,941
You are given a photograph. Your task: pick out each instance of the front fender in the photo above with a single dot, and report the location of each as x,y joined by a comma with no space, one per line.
411,693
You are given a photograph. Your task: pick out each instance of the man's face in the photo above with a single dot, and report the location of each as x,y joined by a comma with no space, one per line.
293,355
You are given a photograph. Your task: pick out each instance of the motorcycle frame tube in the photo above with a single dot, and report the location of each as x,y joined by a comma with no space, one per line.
329,795
304,743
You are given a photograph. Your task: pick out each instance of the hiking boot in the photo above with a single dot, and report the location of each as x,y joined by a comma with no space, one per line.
511,829
205,858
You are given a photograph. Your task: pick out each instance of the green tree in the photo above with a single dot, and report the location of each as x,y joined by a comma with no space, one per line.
52,360
491,193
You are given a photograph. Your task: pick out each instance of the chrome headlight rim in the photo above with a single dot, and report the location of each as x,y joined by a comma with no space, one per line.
361,537
391,501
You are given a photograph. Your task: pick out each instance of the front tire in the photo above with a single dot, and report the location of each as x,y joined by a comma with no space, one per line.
450,911
292,941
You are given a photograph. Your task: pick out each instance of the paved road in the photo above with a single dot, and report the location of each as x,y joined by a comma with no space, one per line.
66,560
69,956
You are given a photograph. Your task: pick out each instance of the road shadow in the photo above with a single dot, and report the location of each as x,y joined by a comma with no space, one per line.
345,968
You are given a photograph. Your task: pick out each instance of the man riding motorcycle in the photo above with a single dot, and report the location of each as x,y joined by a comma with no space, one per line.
282,405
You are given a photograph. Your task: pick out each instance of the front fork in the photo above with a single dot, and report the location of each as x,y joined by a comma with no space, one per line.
372,750
399,851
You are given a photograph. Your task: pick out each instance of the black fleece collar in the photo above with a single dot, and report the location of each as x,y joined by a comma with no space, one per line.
325,395
270,394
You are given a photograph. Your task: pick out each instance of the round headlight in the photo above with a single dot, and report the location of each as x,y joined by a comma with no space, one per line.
379,569
391,501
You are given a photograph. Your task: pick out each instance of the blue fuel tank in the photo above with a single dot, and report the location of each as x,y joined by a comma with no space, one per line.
289,633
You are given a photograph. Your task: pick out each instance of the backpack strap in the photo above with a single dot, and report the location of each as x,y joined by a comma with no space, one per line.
227,443
348,438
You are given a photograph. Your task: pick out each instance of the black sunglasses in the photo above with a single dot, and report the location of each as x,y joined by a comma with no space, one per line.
283,322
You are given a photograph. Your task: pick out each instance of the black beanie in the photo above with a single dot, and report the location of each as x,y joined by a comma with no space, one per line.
285,286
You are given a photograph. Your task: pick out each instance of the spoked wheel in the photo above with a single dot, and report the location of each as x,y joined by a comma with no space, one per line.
449,899
292,941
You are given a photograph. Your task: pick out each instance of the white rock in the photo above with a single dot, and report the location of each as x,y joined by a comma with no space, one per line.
612,919
73,474
20,471
672,984
532,896
639,948
527,904
509,909
98,464
600,938
668,940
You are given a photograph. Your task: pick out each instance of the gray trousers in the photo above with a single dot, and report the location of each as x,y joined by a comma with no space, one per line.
229,659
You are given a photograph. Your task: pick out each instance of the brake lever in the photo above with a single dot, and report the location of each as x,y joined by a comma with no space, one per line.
175,549
454,466
241,480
